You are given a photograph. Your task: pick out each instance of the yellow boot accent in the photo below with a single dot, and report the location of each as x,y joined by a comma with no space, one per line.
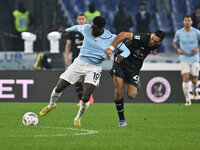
77,123
46,109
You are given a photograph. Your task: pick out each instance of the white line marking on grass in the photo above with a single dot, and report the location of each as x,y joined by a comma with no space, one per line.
82,132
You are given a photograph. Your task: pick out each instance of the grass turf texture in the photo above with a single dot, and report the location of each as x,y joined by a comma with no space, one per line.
150,127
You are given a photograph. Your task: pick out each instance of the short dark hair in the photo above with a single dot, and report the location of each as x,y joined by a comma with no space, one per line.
187,16
160,34
81,15
99,21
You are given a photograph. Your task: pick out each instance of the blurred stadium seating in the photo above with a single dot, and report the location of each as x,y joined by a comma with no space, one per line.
50,15
160,20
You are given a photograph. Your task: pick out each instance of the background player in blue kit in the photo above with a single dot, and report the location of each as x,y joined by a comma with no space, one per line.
74,43
188,50
87,64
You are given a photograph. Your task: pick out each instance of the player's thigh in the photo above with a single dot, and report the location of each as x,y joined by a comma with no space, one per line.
133,81
185,67
132,78
194,69
80,80
131,91
92,74
186,77
185,71
73,72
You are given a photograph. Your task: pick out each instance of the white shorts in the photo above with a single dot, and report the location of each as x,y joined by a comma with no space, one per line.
78,69
191,68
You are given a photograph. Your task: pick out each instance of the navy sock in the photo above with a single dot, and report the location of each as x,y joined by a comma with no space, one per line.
120,108
79,90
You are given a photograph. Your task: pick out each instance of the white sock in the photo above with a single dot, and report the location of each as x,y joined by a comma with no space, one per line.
186,91
194,87
54,97
82,110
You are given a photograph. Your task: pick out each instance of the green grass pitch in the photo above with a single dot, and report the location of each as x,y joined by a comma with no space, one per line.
150,127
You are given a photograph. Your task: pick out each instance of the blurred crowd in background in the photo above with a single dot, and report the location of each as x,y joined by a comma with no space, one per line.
42,17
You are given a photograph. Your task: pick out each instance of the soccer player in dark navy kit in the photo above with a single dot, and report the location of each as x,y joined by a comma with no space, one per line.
74,43
127,71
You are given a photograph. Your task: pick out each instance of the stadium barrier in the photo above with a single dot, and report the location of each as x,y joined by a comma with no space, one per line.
36,86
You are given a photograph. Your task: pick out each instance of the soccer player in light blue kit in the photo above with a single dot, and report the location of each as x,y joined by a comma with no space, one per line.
87,64
188,50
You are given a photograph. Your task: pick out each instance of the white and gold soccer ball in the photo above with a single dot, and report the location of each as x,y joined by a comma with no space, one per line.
30,119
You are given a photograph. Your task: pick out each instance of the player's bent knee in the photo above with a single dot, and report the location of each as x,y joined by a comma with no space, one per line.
186,80
131,95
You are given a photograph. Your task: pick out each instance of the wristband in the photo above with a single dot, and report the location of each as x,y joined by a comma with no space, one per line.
111,47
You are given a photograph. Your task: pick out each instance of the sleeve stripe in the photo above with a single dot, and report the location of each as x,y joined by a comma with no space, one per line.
120,45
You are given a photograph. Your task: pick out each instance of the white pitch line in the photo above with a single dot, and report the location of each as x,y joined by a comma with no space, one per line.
83,132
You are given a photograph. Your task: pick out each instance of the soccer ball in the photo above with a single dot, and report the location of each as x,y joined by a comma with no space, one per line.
30,119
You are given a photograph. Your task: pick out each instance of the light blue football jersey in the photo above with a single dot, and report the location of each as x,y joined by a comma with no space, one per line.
92,50
188,41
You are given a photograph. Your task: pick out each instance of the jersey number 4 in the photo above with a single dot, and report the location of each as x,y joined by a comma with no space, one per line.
136,78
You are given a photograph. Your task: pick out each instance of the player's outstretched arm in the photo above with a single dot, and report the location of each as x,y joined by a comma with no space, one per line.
77,28
120,37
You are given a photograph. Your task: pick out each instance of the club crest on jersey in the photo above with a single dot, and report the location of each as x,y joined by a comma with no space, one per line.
137,37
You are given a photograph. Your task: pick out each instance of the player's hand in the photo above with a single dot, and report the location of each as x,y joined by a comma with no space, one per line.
62,30
119,58
108,52
195,51
180,51
67,60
